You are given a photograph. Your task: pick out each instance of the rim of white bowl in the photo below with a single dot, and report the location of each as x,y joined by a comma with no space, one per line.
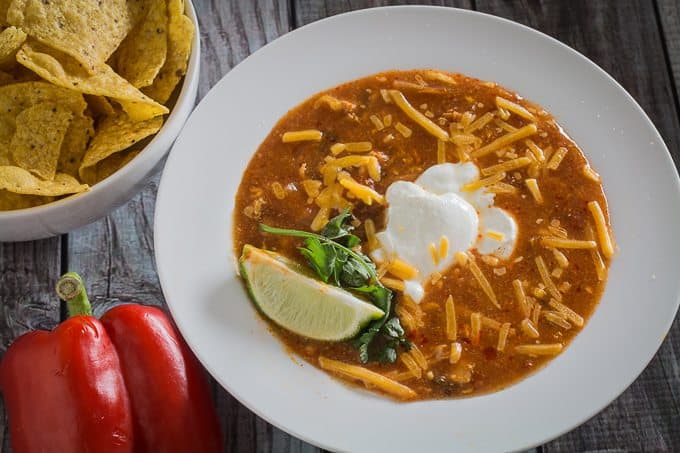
159,145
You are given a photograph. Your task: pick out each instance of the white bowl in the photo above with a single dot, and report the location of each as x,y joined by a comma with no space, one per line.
196,265
75,211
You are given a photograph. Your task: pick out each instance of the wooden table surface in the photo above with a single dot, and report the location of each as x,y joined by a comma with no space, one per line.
636,41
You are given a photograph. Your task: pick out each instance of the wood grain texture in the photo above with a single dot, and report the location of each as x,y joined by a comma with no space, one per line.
115,255
307,11
668,12
232,30
28,272
647,416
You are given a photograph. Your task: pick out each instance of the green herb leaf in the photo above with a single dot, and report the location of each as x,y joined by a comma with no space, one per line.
366,338
388,355
363,351
385,335
353,273
320,256
341,259
381,296
393,328
339,229
339,226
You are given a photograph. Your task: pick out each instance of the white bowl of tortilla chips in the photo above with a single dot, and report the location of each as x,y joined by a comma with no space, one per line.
92,96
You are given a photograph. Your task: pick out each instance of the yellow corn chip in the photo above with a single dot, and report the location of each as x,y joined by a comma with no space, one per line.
6,78
60,69
115,134
17,74
99,105
113,163
4,156
11,40
36,144
141,55
18,180
74,145
10,201
19,96
175,8
7,126
87,30
4,6
180,37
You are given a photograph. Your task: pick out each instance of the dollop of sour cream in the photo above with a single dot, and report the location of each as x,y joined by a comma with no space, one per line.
431,219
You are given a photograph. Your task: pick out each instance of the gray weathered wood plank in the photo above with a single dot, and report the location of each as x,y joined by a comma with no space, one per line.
669,15
115,254
307,11
646,417
28,271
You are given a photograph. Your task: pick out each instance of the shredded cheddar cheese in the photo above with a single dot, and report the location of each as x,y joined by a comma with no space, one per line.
302,136
402,270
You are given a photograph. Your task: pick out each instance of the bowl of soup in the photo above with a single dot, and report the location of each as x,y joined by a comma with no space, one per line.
409,248
473,205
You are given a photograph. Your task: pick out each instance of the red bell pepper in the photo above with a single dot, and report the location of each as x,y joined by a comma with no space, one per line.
64,391
171,403
126,384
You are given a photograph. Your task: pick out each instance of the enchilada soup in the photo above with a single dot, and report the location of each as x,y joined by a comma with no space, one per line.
478,212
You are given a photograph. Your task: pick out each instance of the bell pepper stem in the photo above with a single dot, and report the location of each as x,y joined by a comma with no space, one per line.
70,287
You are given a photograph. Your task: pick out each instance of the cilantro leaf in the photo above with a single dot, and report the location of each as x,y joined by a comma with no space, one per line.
393,328
354,273
388,354
339,229
339,226
321,257
363,351
381,296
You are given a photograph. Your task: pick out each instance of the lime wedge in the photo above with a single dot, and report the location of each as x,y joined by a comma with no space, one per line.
300,303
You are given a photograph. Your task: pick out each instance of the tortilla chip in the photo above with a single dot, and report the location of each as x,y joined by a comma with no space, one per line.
7,127
10,201
11,40
5,158
17,97
36,144
115,134
60,69
6,78
99,105
4,6
180,37
18,180
141,55
87,30
77,137
112,164
175,7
